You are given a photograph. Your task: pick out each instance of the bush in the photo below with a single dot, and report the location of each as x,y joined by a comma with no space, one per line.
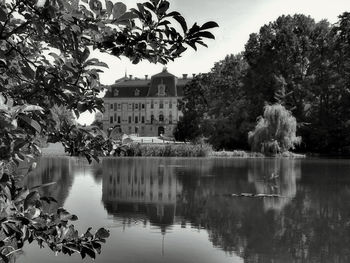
275,132
166,150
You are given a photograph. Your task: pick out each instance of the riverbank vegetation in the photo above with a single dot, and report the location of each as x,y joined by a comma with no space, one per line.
45,62
164,150
294,61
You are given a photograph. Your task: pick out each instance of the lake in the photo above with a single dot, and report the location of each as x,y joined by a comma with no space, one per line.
182,210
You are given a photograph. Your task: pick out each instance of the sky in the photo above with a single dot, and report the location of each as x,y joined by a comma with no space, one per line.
237,19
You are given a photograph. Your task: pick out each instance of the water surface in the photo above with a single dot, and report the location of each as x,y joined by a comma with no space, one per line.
181,210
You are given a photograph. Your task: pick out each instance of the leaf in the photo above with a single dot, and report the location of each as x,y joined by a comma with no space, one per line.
149,6
95,5
205,34
163,7
22,195
85,54
34,124
127,16
109,7
88,251
28,72
3,15
31,199
208,25
33,108
119,9
102,233
182,22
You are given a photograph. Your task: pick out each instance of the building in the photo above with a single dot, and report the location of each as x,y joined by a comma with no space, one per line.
147,107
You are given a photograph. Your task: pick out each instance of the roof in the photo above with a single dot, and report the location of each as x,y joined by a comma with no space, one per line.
127,88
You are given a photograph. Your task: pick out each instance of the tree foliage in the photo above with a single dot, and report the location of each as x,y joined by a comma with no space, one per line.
294,61
213,105
275,131
45,62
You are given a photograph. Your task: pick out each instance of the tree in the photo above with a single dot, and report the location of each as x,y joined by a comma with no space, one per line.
214,105
275,132
45,61
279,61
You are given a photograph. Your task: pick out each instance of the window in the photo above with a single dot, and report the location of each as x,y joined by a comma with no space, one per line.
161,89
130,106
161,105
119,106
115,116
137,92
115,106
111,119
152,105
143,119
143,106
116,92
170,119
161,117
152,118
136,106
111,106
170,104
118,119
129,120
136,119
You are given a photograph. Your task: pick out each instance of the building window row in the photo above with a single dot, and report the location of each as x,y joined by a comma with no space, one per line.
117,119
139,106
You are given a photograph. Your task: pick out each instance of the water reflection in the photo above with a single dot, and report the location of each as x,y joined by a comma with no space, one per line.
140,190
275,176
310,222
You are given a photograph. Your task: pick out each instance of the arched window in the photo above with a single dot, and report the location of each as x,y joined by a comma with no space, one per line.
161,117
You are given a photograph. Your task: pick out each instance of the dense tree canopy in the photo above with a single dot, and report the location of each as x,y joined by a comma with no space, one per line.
214,105
297,62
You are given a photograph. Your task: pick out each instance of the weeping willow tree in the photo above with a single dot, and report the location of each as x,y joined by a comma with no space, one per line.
275,131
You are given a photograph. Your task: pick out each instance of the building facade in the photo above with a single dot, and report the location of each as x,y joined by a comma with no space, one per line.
146,107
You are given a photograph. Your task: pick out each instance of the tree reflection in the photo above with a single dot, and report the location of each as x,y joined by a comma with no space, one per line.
58,170
311,227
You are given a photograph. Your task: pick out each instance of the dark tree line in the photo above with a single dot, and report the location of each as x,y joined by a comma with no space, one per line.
294,61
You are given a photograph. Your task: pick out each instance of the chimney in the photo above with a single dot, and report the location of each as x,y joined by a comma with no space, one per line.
146,77
130,76
184,76
193,75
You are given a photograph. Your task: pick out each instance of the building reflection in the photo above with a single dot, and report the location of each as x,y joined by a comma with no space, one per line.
141,189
